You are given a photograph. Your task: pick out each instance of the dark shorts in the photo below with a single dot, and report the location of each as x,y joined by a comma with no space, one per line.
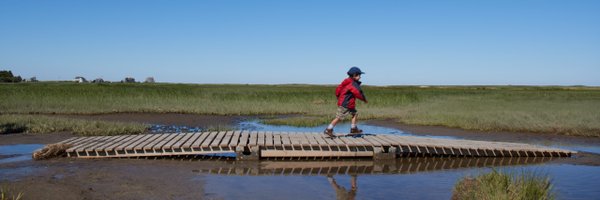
343,112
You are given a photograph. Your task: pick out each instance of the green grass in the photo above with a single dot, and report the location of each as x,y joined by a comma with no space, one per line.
8,194
501,185
13,123
559,110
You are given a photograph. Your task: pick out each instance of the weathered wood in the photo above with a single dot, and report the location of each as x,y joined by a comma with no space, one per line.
292,145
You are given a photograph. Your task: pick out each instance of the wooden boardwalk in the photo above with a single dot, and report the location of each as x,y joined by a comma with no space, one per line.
256,145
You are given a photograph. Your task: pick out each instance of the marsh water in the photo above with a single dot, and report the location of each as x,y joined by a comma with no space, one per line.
406,178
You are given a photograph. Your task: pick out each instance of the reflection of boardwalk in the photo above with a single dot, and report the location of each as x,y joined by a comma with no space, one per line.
357,167
256,145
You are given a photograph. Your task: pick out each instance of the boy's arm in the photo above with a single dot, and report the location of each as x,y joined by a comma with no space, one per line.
358,93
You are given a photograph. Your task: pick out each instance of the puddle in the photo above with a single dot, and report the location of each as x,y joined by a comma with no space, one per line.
159,128
408,178
340,128
17,153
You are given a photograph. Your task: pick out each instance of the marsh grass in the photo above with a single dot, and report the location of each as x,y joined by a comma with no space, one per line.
502,185
9,194
45,124
557,110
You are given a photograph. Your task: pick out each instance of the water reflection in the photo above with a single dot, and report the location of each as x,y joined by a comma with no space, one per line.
357,167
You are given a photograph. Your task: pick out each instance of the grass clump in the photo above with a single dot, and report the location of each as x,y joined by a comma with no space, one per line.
46,124
8,194
502,185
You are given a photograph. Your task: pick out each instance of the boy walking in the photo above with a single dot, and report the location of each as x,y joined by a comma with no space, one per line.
347,93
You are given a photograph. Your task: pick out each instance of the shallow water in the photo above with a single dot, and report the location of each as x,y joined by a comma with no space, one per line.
340,128
406,178
16,153
570,182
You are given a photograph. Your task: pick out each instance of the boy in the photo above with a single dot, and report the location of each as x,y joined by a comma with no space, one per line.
347,93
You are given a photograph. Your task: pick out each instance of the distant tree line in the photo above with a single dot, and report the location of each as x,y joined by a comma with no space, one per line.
8,77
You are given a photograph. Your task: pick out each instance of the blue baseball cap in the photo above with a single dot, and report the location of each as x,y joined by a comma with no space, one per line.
354,70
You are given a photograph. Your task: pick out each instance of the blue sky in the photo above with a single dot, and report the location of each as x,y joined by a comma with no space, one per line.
521,42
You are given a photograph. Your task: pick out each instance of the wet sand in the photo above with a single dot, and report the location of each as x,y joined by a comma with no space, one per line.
66,178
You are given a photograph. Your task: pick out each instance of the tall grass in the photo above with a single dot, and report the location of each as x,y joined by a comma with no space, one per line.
501,185
563,110
8,194
13,123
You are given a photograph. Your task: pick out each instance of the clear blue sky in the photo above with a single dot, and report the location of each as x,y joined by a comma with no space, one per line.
543,42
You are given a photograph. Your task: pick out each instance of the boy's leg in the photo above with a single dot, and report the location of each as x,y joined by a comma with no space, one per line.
354,129
339,115
354,119
333,123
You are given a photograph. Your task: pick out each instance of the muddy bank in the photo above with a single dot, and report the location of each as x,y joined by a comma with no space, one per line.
104,179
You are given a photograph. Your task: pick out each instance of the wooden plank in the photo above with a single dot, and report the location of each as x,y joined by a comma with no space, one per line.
244,138
253,138
141,143
183,140
90,143
373,141
125,140
71,140
295,139
269,139
285,139
311,140
235,140
380,140
96,142
83,143
279,153
198,141
84,140
261,138
151,142
217,140
348,142
178,136
196,136
114,139
338,142
162,143
277,139
209,139
227,139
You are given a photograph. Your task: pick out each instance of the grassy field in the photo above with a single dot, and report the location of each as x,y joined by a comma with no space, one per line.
562,110
502,185
43,124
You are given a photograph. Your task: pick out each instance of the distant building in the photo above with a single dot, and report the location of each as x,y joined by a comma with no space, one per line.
98,80
149,80
80,79
128,80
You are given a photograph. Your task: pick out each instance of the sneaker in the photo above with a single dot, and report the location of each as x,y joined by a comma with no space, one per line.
329,132
355,131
